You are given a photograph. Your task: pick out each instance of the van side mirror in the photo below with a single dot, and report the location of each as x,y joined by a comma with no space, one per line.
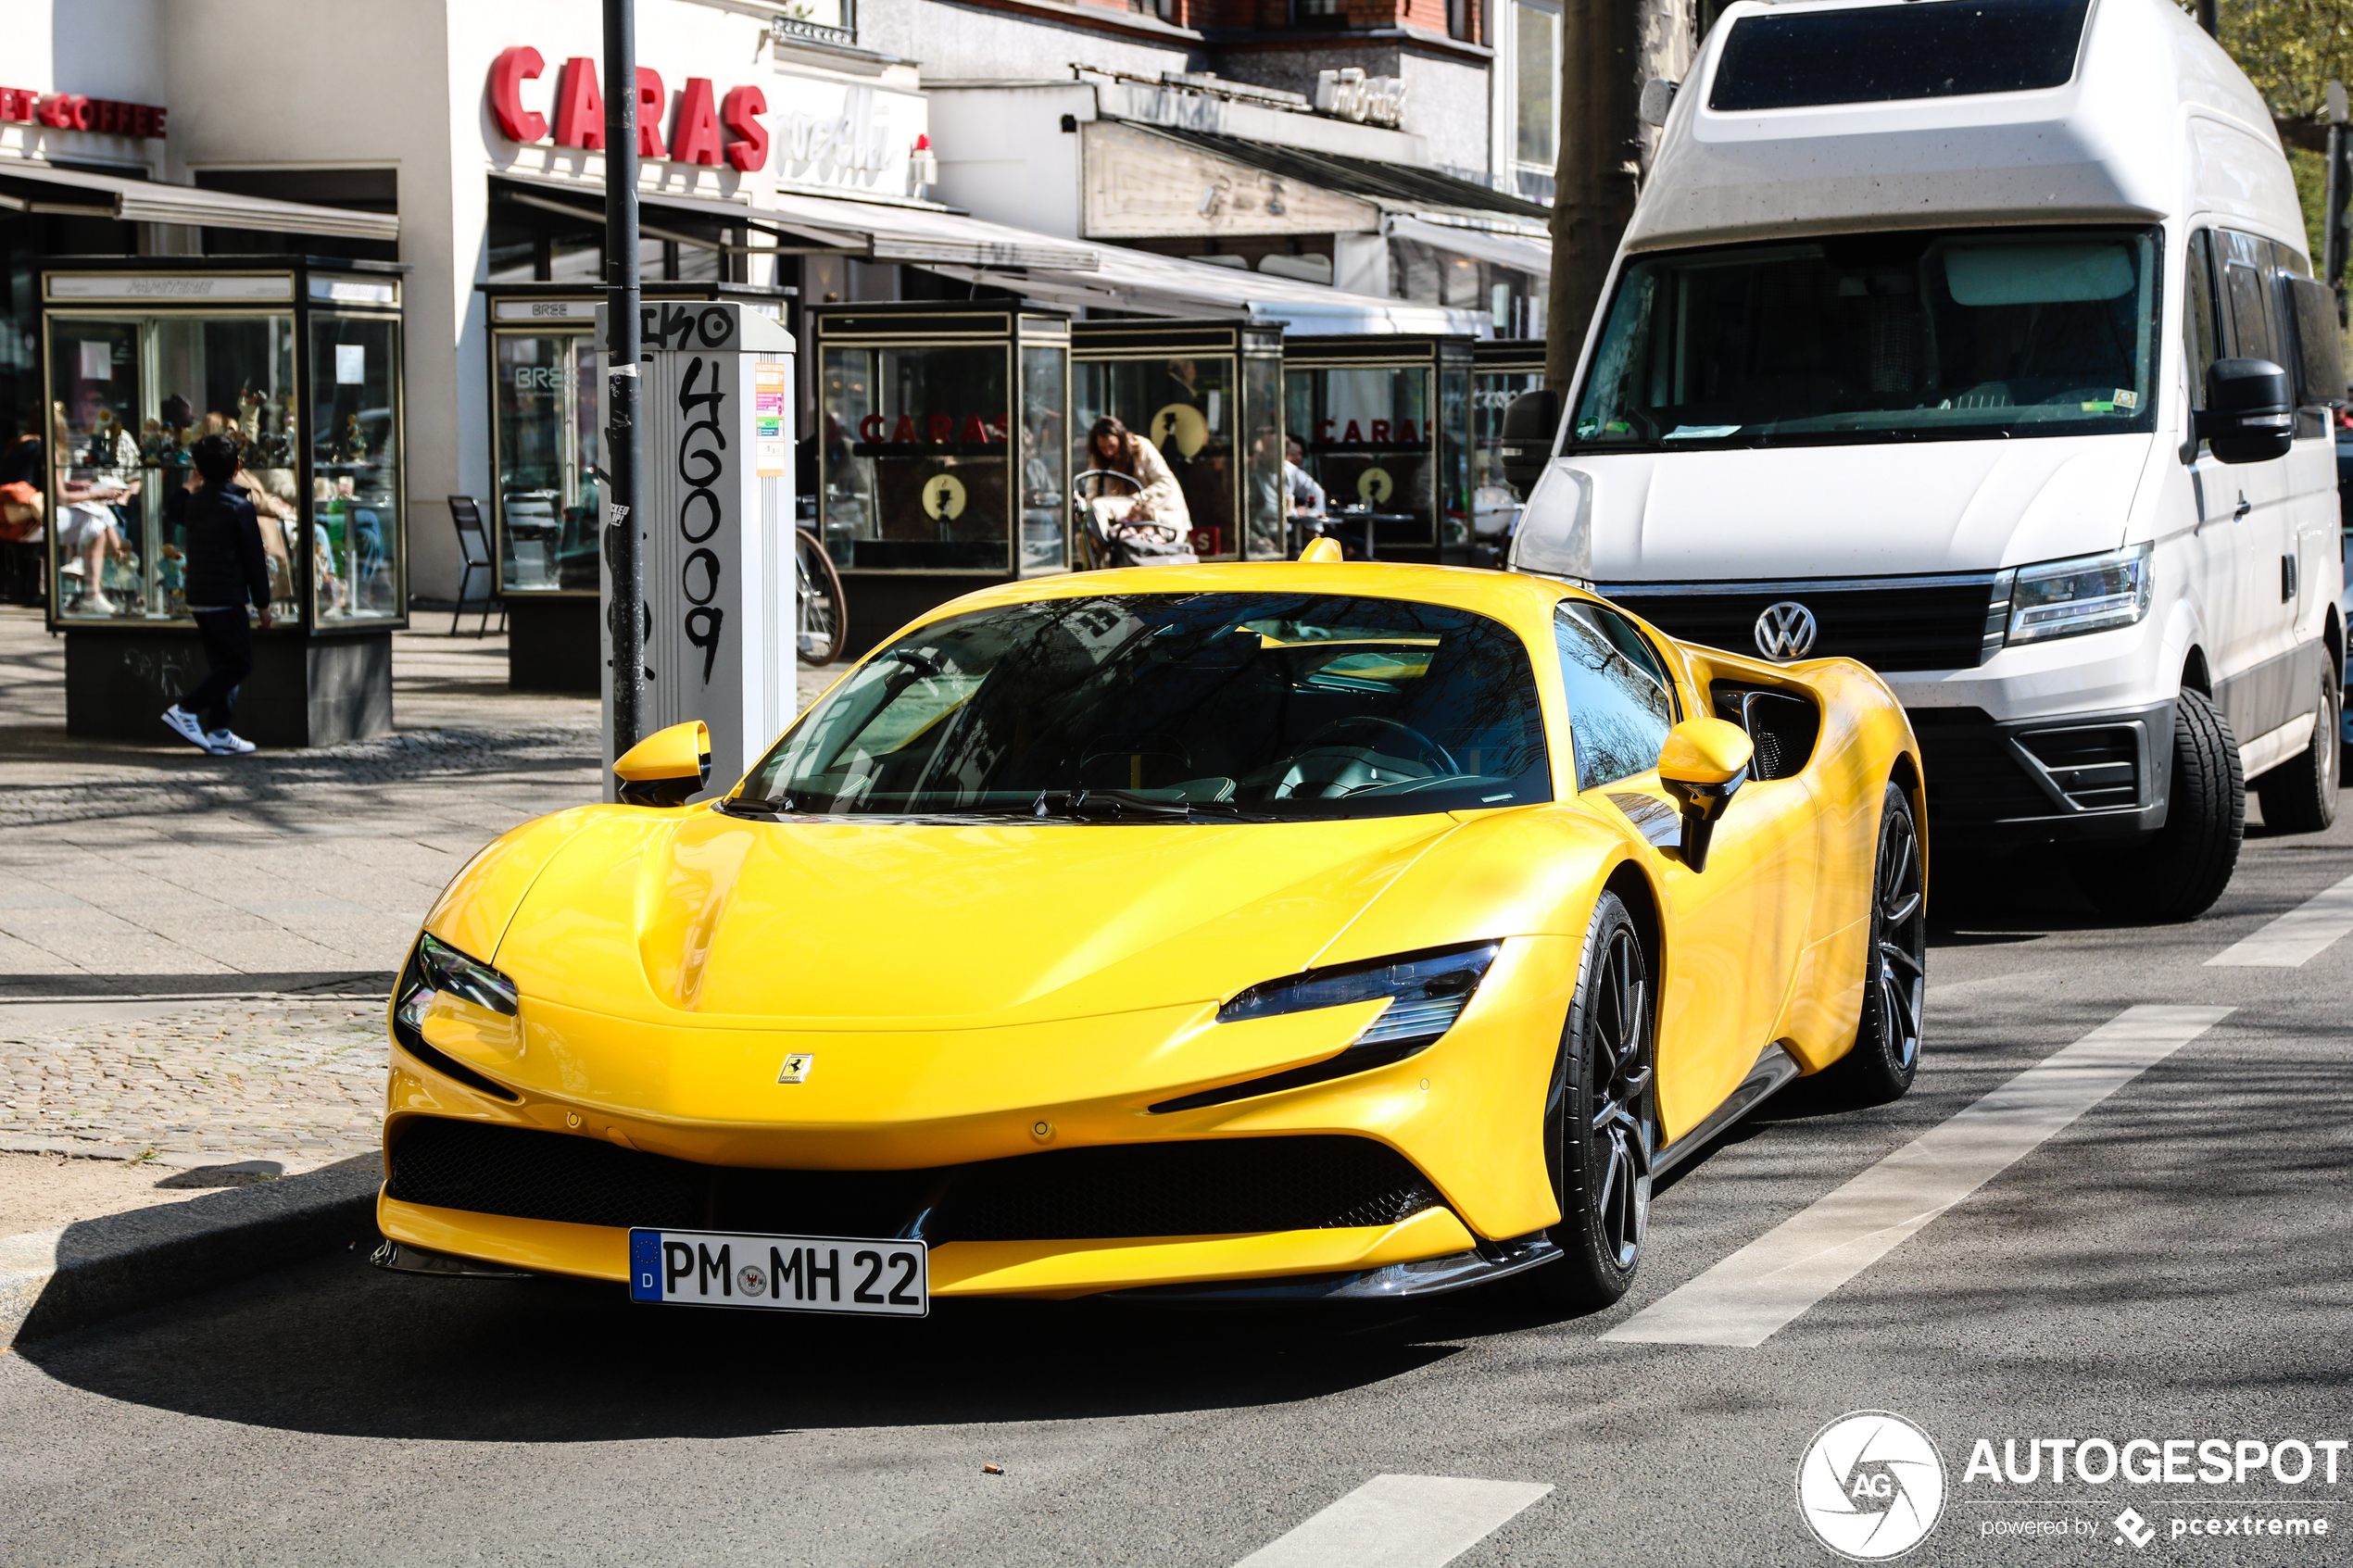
1703,762
1658,96
667,768
2250,411
1530,421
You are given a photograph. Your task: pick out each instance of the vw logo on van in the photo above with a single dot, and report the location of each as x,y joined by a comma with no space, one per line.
1786,631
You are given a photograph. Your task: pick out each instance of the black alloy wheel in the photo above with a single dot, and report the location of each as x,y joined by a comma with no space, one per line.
2299,796
1887,1038
1601,1126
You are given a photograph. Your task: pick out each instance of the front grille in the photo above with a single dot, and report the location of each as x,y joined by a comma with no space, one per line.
2093,767
1203,1188
1890,623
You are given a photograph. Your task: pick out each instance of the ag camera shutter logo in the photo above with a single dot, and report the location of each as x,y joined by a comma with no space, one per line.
1872,1486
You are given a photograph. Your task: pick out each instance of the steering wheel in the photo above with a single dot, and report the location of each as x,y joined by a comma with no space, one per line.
1430,752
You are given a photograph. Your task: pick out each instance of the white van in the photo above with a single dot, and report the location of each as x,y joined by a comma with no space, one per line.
1976,340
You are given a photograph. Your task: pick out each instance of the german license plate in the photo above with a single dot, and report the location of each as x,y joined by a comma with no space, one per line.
792,1273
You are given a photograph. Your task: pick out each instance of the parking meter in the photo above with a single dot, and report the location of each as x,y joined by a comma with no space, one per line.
715,529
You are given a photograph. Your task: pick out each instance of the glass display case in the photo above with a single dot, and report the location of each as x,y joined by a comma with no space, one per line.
943,438
1500,370
1385,422
1209,396
298,364
547,428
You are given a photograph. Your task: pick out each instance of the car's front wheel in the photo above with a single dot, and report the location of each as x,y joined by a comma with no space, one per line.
1887,1038
1600,1121
2178,872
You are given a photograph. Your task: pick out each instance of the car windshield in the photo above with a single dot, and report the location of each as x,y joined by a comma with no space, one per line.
1931,335
1157,707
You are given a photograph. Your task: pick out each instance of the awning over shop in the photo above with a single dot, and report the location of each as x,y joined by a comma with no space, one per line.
1217,184
882,232
40,187
1136,279
1517,251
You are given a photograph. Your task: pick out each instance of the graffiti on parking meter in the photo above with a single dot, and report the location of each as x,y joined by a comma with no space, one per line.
702,462
685,326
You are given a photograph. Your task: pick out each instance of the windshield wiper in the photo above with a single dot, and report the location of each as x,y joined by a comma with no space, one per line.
1123,806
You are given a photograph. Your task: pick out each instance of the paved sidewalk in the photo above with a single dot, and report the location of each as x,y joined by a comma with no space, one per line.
194,951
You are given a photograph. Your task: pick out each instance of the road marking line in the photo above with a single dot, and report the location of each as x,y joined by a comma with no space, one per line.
1400,1521
1748,1297
2296,935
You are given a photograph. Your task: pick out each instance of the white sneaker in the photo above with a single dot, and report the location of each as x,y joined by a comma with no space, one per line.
186,726
226,743
91,604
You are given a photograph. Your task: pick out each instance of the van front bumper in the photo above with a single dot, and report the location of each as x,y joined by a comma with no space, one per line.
2059,777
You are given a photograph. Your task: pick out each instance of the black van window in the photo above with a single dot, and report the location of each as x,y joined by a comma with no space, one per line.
2250,326
1873,54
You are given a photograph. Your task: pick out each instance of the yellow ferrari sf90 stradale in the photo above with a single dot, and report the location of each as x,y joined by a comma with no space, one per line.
1280,931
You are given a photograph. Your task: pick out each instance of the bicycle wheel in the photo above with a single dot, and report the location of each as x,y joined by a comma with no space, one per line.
823,609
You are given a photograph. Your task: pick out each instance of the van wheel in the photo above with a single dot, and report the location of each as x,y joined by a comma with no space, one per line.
2178,872
1600,1127
1887,1038
2299,796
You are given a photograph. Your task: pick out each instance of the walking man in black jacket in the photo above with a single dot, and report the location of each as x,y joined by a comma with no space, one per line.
226,567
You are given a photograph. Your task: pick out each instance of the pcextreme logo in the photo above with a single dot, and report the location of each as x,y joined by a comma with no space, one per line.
1871,1485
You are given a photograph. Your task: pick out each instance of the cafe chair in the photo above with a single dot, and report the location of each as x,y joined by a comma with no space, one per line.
474,553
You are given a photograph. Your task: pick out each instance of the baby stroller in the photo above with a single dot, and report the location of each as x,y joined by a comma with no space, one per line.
1114,541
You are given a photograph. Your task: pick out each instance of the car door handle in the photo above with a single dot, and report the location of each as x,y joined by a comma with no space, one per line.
2244,507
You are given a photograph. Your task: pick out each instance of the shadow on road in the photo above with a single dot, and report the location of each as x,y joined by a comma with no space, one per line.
333,1346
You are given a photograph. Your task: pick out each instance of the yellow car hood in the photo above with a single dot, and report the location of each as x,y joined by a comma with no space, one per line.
892,925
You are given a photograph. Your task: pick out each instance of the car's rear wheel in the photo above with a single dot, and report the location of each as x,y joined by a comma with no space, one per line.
2178,872
2299,796
1599,1122
1887,1040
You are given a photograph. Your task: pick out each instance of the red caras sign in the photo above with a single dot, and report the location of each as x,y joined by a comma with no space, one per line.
71,111
706,130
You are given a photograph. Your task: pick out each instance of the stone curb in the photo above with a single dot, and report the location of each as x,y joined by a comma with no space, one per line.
56,1280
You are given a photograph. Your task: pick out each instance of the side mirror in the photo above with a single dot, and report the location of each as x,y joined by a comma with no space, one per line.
667,768
2250,411
1530,421
1658,96
1704,761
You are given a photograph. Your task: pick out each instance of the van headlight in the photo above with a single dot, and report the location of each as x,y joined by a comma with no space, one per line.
2067,598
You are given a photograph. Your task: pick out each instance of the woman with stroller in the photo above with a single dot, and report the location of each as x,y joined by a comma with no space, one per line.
1143,521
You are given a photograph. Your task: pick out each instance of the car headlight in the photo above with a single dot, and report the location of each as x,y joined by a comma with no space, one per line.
1426,992
433,968
436,967
2067,598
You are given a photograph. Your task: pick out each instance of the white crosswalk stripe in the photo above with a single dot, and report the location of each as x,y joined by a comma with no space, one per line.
1400,1521
2298,935
1748,1297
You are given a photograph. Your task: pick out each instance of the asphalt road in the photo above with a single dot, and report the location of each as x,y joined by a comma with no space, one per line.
2172,1264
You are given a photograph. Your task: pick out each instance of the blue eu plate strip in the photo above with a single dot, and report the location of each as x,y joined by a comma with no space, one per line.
645,1265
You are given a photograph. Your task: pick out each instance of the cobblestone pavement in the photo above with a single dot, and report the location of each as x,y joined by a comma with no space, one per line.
195,950
301,1082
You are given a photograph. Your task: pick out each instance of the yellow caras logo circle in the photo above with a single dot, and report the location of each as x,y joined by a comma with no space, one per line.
1375,485
944,496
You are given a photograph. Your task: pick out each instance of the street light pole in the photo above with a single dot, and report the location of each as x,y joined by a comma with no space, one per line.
625,612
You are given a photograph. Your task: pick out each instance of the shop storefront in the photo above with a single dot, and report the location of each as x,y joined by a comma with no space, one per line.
1387,428
299,361
1500,370
1209,396
944,438
547,462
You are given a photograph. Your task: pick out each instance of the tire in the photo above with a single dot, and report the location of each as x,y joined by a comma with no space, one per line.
2177,872
1601,1125
1886,1052
2299,796
822,608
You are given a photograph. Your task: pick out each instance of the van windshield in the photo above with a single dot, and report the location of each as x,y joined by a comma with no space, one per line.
1929,335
